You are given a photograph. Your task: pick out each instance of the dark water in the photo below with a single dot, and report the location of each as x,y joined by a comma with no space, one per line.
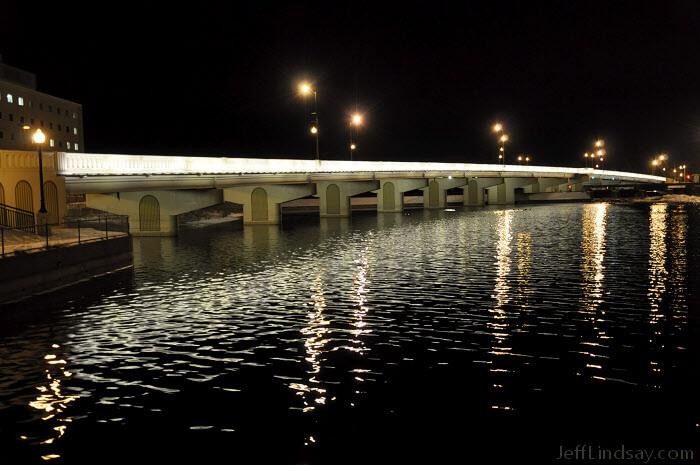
467,336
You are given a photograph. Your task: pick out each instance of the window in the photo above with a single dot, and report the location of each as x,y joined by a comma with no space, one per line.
12,136
58,110
51,142
50,108
0,115
76,144
30,104
68,145
50,125
59,127
21,119
1,135
67,128
41,123
20,101
66,112
75,130
41,106
12,118
75,115
31,121
9,98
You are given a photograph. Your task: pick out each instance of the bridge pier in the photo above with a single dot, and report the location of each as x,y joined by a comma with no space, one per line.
261,204
543,184
435,195
335,196
504,194
390,193
154,213
474,192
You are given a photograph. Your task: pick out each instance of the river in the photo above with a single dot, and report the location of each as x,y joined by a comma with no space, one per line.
464,335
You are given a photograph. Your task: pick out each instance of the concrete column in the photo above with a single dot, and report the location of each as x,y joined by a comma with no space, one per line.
335,196
474,192
154,213
543,184
261,204
390,193
576,184
435,195
504,194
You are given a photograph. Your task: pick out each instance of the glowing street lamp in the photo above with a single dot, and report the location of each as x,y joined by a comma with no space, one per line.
39,138
306,89
498,128
355,122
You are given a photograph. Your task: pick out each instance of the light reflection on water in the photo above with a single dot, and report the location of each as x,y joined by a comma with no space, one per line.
344,323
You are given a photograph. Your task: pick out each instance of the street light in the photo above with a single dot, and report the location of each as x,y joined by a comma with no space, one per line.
498,128
306,89
39,139
355,122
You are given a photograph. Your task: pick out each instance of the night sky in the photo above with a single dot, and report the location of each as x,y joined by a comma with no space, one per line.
221,79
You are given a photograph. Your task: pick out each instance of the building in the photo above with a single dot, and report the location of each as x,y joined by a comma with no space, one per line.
23,110
21,105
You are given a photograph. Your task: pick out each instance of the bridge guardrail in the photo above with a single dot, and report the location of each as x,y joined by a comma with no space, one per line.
90,164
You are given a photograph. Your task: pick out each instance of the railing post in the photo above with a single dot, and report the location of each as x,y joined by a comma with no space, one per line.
106,226
46,231
78,230
2,231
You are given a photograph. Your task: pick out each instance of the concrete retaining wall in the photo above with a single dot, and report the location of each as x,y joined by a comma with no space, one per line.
38,272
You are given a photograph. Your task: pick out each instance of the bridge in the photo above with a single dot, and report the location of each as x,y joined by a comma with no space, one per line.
153,190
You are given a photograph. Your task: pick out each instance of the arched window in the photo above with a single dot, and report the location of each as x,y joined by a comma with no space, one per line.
389,194
333,200
23,196
51,199
258,199
149,214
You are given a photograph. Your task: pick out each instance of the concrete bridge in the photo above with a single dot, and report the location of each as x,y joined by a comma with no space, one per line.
153,190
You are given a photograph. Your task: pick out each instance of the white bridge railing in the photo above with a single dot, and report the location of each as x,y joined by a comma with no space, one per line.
92,164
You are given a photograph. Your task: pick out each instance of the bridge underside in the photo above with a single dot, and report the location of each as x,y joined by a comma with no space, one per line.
155,212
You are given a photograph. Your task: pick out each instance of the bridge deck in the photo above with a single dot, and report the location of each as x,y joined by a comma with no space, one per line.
86,172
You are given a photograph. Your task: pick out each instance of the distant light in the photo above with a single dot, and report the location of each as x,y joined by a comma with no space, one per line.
25,127
520,158
599,143
504,137
497,127
39,137
501,149
353,146
305,88
357,119
314,129
449,177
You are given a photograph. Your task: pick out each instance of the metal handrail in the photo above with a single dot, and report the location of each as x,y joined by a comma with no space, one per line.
79,225
16,218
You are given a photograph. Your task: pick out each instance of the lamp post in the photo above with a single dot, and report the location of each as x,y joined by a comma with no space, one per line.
354,124
39,139
314,129
498,128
